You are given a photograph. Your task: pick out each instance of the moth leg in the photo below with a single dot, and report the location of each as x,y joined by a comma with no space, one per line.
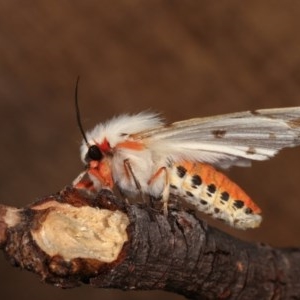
122,195
166,189
130,172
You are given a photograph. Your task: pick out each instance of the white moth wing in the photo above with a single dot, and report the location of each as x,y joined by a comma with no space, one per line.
226,140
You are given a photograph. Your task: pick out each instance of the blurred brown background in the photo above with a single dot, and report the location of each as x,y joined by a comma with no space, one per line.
182,58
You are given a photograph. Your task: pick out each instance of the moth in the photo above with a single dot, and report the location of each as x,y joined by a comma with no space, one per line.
142,154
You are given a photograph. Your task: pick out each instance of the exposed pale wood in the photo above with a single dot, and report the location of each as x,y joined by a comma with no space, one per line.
69,239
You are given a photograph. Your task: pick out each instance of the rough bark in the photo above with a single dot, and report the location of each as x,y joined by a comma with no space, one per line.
69,238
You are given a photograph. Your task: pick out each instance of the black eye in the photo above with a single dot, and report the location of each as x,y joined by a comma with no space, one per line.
94,153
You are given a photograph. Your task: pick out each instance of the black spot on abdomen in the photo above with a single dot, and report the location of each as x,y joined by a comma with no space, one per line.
216,210
196,181
248,211
225,196
181,171
189,194
211,188
238,203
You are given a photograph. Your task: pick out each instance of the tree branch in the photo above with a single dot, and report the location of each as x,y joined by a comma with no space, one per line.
70,238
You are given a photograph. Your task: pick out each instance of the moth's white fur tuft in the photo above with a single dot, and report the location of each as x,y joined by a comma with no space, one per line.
119,128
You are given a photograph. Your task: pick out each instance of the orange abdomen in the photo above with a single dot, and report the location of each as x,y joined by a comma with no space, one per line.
214,193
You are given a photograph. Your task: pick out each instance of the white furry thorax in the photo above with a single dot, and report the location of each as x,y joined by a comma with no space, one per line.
118,129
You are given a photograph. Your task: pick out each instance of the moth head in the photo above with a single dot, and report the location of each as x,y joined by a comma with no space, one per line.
93,153
92,150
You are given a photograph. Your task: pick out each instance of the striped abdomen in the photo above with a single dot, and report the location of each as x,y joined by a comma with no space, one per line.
213,193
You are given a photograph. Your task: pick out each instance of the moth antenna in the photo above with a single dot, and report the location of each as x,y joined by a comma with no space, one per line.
78,112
